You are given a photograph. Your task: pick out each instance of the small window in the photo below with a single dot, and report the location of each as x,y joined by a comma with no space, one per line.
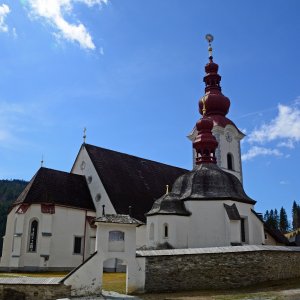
33,236
230,161
98,197
89,179
116,236
77,245
166,231
243,234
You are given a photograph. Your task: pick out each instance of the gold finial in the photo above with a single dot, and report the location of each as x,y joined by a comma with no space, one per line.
167,189
203,107
42,161
209,37
84,134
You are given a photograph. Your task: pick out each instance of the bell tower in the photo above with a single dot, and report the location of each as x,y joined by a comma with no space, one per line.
215,106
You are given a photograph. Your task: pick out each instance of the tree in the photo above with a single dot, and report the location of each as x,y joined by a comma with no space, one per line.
296,215
283,221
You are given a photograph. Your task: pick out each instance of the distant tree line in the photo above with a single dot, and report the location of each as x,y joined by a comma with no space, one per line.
280,220
9,191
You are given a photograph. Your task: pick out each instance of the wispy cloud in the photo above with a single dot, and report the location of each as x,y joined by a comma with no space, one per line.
55,12
4,11
283,182
285,126
14,120
260,151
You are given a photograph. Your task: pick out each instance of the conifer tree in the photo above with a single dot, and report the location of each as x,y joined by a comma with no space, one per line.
276,219
295,215
283,221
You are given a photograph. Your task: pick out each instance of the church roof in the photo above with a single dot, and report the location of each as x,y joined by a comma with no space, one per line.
118,219
208,182
132,181
57,187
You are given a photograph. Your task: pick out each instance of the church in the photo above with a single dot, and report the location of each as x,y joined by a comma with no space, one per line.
52,224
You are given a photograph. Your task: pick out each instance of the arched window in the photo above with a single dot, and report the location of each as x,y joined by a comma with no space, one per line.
33,233
230,162
116,236
151,232
166,230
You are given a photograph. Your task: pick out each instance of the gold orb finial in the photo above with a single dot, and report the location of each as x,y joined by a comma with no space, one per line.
209,37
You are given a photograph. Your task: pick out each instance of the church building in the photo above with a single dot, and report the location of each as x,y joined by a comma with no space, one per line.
51,225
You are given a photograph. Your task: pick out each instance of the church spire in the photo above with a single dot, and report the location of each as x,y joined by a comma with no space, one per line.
216,102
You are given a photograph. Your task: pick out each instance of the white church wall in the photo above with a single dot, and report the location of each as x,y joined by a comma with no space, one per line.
215,229
55,238
254,227
175,234
84,166
8,239
235,231
229,143
207,226
141,236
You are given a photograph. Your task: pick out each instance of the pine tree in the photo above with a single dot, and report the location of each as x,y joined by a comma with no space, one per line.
283,221
266,216
295,215
276,219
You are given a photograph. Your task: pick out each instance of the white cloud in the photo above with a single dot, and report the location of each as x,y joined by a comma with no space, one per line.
285,126
260,151
4,11
283,182
288,144
55,11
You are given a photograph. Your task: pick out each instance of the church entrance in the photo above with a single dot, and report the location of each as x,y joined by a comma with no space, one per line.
114,275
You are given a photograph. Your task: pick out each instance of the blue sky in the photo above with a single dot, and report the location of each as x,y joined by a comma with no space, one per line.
131,72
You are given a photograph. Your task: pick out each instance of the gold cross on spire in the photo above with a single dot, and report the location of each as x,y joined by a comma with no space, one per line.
42,161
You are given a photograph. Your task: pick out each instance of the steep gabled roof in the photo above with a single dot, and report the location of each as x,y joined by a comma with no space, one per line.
130,180
57,187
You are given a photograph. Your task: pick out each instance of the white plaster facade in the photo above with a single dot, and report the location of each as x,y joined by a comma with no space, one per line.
55,239
207,226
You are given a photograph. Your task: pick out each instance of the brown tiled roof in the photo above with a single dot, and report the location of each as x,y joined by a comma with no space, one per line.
60,188
130,180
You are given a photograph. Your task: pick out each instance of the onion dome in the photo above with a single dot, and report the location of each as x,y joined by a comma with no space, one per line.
205,143
208,182
216,103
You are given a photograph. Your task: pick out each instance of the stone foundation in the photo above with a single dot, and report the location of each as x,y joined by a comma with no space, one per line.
33,291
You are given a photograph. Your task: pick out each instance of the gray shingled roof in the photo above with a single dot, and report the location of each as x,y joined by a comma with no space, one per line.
57,187
130,180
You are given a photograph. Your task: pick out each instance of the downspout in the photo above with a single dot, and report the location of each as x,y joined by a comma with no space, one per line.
84,235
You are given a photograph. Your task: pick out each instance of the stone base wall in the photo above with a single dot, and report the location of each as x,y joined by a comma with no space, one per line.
33,291
218,270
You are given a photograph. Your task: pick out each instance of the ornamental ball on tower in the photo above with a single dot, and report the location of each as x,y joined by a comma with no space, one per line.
216,103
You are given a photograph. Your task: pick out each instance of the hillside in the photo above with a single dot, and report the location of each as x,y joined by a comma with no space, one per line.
9,191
